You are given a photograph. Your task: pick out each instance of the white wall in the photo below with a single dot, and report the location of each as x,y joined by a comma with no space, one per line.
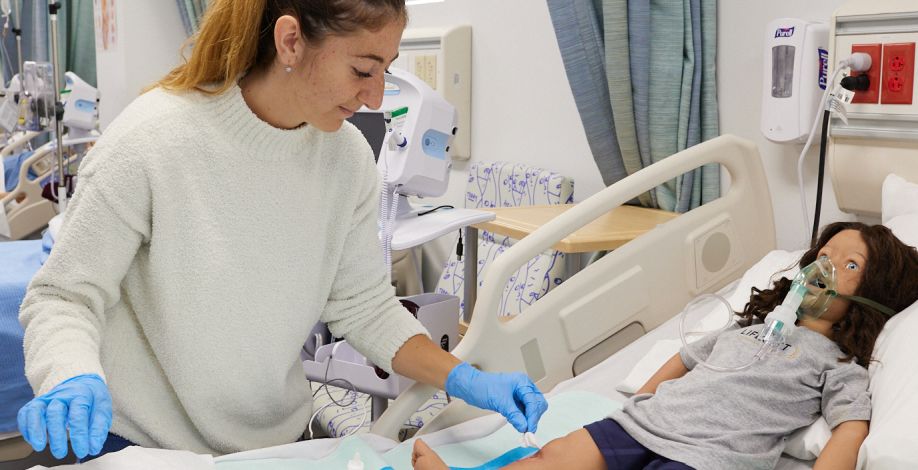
740,48
522,106
148,38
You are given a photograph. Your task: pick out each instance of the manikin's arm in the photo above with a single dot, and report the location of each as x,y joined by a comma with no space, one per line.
841,450
673,369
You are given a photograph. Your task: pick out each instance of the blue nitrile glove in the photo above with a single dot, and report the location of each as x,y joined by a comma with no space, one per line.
512,395
81,404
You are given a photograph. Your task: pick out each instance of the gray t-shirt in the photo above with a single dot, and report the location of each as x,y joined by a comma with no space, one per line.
739,420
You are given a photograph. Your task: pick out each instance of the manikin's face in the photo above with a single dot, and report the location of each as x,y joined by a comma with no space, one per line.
848,254
344,73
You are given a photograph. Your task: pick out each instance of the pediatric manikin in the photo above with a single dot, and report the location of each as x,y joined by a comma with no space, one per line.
810,295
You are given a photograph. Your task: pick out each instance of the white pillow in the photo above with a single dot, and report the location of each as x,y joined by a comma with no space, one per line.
899,197
892,440
905,227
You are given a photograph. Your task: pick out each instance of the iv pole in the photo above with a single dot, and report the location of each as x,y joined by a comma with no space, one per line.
53,7
17,30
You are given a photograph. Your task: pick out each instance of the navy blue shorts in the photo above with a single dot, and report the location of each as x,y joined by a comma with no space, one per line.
113,443
622,452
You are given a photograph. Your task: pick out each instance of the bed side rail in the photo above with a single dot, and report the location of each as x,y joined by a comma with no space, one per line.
630,290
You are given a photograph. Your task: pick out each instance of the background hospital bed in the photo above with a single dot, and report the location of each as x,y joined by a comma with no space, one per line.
628,292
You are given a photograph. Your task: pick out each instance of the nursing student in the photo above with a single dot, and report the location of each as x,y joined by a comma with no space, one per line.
220,216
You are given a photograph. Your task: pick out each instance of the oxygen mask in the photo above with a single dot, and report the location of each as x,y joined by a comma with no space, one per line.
815,285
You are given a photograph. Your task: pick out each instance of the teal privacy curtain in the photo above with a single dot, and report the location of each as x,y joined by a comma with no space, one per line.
76,37
191,11
654,92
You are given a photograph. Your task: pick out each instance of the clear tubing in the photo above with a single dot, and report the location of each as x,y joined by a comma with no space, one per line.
758,355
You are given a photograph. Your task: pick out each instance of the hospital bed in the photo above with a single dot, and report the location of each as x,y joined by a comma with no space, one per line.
25,208
20,260
648,281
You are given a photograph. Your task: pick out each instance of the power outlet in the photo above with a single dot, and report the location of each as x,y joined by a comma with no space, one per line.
872,94
898,73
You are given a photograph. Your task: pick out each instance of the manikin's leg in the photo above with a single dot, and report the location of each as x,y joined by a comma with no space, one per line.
576,450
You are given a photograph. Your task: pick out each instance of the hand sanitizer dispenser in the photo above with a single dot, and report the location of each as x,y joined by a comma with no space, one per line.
794,78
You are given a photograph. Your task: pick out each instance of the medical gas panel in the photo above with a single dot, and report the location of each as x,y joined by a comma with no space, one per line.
796,66
442,57
881,132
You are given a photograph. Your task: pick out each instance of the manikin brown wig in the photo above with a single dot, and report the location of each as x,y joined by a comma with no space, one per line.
890,278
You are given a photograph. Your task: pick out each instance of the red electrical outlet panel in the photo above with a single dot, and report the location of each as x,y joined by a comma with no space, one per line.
898,73
872,94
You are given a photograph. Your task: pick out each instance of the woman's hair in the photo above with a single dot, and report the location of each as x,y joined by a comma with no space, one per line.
238,35
890,278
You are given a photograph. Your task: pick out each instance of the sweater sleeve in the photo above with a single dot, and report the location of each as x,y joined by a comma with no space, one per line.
63,313
362,306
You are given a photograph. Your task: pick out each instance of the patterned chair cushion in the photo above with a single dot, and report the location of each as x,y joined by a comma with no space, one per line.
511,185
337,421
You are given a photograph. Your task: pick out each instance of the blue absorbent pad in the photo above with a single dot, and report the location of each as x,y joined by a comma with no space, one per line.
20,261
11,168
566,413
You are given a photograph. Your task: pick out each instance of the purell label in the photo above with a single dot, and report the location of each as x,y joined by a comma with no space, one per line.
784,32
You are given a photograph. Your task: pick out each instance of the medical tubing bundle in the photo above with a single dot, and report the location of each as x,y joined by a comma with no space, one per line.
688,349
858,61
806,147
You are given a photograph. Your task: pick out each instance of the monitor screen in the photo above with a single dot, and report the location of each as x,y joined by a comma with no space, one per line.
373,127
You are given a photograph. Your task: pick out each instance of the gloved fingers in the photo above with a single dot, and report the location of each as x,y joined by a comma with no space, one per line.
100,422
78,424
532,403
31,421
56,416
535,408
516,419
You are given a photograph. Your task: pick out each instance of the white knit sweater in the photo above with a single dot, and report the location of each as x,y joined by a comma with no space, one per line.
201,247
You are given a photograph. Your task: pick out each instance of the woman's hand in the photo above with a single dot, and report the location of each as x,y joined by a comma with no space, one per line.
80,405
512,395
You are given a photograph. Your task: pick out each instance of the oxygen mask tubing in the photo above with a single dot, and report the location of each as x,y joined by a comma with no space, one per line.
809,296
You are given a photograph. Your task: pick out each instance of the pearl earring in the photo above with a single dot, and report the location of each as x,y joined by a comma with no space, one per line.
288,69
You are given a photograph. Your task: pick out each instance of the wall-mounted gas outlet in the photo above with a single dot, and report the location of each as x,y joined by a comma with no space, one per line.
898,73
872,94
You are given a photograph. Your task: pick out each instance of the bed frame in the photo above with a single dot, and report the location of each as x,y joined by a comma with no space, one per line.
26,210
621,296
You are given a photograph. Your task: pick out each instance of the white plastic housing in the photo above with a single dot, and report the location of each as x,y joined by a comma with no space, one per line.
81,111
795,73
422,169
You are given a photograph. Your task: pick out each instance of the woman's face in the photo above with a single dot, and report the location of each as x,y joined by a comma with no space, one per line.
848,254
344,73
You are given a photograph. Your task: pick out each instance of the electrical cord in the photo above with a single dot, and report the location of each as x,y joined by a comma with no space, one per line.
445,206
822,171
325,384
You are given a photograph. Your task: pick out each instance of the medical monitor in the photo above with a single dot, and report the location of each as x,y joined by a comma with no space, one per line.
373,128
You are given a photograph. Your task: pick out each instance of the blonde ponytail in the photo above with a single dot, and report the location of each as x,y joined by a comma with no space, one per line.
238,35
225,47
